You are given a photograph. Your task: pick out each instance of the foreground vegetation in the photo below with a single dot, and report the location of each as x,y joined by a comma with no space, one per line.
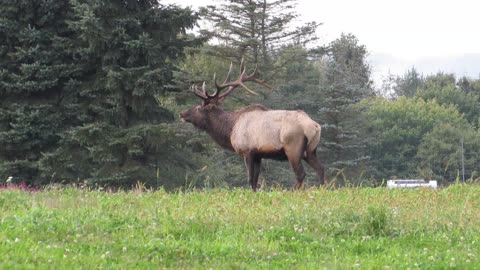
361,228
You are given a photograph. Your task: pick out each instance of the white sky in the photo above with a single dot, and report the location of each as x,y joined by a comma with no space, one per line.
407,30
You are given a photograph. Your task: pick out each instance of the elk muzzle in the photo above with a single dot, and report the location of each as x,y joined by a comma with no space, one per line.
184,116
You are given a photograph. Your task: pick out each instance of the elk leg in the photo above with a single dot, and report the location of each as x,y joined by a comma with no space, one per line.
294,154
250,164
256,170
316,164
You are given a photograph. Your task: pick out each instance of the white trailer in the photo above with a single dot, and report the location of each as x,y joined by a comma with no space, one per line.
411,183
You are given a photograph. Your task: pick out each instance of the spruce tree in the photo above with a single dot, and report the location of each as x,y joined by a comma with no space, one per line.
80,88
38,75
255,30
130,49
346,81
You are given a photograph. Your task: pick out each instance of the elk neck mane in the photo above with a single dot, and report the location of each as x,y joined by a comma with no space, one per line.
220,123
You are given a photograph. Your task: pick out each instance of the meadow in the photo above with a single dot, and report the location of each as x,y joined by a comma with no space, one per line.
316,228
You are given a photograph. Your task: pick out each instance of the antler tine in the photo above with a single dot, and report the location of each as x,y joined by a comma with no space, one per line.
197,92
225,82
255,71
253,77
263,82
215,94
229,74
204,90
242,65
231,88
239,82
216,84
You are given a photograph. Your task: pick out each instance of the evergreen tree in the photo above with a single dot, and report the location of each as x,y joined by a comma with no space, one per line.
346,81
127,51
255,29
38,77
81,82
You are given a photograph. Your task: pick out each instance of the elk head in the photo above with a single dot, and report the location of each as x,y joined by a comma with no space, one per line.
210,102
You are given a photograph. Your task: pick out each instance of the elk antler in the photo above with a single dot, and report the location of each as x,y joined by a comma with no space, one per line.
201,94
230,85
244,77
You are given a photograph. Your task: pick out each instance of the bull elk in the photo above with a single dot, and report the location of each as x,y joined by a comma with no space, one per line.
256,132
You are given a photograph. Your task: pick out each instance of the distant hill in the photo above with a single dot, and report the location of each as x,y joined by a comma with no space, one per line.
462,65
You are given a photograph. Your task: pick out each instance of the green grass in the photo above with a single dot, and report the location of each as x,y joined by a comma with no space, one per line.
351,228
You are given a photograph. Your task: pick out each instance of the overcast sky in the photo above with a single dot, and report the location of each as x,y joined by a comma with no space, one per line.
430,35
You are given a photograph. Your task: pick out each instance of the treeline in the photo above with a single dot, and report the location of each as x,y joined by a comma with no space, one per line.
90,91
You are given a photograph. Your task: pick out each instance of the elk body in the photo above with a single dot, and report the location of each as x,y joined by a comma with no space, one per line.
256,132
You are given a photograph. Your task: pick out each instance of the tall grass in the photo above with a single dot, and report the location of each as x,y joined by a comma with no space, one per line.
360,228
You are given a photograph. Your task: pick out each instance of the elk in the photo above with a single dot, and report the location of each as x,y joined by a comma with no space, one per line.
256,132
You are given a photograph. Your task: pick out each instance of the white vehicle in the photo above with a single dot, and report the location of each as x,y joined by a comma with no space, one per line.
411,183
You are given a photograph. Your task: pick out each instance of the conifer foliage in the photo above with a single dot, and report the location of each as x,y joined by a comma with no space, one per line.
80,82
37,73
346,81
256,29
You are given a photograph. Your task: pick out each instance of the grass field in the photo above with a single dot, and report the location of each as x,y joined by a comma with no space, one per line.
350,228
